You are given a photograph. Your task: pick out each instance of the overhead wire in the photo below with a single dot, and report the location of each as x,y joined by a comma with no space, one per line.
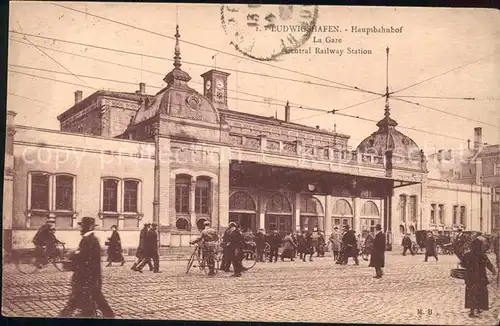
48,56
211,49
447,98
196,63
313,109
445,112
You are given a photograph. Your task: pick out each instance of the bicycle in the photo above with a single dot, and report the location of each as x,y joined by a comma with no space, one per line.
202,260
26,262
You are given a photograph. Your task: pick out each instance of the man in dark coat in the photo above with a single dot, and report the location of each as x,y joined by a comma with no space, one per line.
86,280
301,245
151,250
350,246
430,247
236,246
274,241
226,250
115,254
475,263
45,238
407,245
260,243
309,244
377,257
140,249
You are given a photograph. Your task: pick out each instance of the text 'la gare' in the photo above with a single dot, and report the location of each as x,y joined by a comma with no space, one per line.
327,39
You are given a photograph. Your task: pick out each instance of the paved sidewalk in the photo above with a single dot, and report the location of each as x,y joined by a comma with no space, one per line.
411,292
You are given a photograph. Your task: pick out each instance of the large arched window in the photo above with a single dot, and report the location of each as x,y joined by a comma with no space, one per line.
277,203
370,209
342,213
202,196
182,184
241,201
310,205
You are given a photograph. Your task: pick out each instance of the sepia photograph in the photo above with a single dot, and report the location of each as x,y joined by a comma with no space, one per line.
252,163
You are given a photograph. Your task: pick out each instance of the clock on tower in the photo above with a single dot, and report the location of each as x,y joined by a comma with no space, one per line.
216,87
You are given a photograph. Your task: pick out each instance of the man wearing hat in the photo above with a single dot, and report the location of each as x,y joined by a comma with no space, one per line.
86,280
226,255
45,237
150,250
260,243
209,240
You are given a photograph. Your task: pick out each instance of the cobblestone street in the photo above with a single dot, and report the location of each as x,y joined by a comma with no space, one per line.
411,292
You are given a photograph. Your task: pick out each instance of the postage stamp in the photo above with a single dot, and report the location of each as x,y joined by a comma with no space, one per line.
267,32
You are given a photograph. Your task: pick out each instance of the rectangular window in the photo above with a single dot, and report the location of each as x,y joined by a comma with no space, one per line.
412,208
462,215
402,208
441,214
497,169
202,196
336,221
40,191
64,192
130,193
110,195
455,214
496,195
433,213
182,198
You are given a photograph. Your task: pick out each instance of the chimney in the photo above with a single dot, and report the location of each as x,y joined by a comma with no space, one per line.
287,112
78,96
142,89
478,138
440,155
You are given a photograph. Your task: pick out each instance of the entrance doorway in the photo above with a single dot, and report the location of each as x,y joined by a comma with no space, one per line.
244,220
281,223
308,223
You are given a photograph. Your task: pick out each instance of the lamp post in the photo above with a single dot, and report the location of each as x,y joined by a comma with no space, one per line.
481,203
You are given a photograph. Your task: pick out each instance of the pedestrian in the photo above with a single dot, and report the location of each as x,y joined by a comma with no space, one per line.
309,244
86,282
350,246
369,240
115,254
301,245
208,239
430,247
460,244
407,244
236,246
139,254
320,249
295,240
249,244
335,240
377,257
288,247
150,250
226,251
274,241
260,244
475,263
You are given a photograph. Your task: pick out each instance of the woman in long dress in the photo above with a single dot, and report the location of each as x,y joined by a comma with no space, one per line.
475,263
114,244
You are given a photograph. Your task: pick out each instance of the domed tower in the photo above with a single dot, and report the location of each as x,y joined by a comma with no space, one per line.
178,110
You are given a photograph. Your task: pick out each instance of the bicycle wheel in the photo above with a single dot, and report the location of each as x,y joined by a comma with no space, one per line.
25,264
249,259
190,262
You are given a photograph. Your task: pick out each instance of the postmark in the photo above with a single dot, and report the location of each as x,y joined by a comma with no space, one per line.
267,32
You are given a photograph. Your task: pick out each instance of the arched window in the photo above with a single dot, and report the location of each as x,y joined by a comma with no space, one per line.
342,213
277,203
369,209
202,196
182,224
310,205
182,184
342,207
130,196
241,201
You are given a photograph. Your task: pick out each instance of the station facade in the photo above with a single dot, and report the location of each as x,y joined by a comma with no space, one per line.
179,158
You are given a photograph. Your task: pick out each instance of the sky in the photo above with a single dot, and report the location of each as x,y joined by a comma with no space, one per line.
458,48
